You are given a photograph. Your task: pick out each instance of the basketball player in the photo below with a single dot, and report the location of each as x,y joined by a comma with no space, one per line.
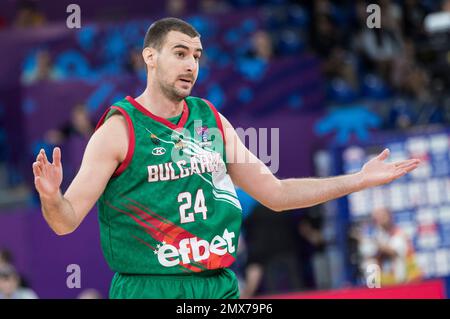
162,167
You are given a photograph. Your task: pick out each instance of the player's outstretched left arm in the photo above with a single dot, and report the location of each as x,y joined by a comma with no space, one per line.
256,179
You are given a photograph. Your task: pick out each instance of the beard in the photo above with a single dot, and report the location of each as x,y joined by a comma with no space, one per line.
172,92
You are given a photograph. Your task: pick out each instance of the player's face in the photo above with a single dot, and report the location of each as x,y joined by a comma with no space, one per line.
177,65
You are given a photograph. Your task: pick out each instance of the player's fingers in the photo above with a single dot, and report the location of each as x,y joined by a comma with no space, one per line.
44,156
40,158
57,156
36,169
41,162
404,170
384,155
399,173
38,183
407,163
410,168
400,163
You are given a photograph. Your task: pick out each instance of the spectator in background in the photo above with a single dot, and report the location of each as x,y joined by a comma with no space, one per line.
74,136
327,42
341,64
213,6
322,7
311,248
402,114
360,11
388,247
380,46
10,285
29,15
42,70
437,48
262,46
446,6
413,15
5,257
175,8
80,125
407,76
272,260
324,35
391,15
135,64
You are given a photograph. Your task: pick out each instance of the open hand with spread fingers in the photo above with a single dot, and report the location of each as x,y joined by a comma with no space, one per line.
48,176
378,172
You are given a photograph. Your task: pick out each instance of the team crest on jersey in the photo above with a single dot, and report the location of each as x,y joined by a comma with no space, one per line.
203,132
158,151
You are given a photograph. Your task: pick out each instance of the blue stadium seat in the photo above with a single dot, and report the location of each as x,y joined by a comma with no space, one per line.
298,17
374,88
290,42
341,92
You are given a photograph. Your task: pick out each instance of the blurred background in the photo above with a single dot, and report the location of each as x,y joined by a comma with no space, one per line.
338,91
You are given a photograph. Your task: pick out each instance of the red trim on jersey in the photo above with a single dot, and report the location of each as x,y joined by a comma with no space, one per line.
131,138
131,142
159,119
102,119
218,120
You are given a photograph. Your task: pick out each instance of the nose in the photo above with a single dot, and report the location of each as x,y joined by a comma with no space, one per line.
191,65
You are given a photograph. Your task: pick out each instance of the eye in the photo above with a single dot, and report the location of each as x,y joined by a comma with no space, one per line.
179,54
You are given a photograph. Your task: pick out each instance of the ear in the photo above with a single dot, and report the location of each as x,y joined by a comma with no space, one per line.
149,56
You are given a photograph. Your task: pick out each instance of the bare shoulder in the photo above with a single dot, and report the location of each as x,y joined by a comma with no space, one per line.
116,123
230,133
225,122
112,137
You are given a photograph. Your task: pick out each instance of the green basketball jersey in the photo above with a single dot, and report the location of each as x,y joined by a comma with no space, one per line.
171,207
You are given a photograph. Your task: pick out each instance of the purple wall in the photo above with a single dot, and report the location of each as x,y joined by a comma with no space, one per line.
42,257
297,140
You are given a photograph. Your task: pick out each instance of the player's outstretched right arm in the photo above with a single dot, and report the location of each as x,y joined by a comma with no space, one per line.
105,151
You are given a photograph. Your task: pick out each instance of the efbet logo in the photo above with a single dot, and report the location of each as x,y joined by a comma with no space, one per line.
194,249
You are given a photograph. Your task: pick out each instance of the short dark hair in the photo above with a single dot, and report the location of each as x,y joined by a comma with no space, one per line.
156,33
6,256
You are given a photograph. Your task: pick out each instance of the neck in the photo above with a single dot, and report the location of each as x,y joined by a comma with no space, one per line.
159,104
